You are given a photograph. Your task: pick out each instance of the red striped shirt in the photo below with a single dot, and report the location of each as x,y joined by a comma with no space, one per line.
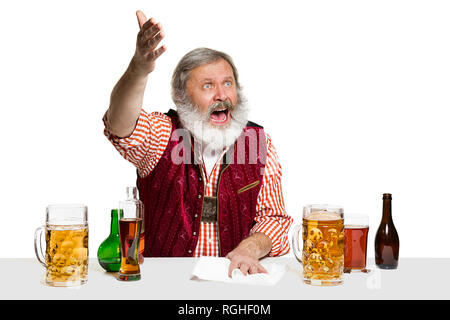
145,147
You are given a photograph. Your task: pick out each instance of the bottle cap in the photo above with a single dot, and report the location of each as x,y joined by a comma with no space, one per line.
387,196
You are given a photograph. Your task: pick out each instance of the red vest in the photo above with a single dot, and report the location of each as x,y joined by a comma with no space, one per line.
173,193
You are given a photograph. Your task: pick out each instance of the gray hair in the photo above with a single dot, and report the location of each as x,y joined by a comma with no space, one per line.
192,60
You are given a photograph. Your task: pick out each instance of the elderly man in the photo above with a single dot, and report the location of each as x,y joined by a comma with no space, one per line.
220,193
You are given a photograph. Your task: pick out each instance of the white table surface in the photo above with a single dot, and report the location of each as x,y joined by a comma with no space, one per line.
170,279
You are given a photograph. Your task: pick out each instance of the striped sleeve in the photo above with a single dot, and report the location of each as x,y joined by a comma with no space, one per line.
145,146
271,217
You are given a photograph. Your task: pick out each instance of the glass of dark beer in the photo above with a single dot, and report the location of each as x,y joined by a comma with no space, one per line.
129,230
355,245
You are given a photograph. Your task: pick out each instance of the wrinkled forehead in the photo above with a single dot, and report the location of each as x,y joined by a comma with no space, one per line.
217,70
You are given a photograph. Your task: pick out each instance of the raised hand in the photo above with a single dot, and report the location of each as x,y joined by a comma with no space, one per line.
148,38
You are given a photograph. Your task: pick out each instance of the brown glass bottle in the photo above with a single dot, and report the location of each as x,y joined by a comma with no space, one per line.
387,243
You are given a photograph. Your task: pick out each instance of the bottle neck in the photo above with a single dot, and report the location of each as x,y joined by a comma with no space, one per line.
387,211
114,222
131,193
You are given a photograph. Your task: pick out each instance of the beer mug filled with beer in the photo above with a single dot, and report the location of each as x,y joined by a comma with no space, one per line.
323,244
66,245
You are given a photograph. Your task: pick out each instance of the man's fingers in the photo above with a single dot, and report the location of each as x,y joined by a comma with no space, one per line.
244,268
152,43
152,33
232,266
149,25
257,268
144,23
253,269
156,53
149,38
261,269
141,18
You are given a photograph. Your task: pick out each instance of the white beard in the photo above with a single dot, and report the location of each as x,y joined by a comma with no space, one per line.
214,139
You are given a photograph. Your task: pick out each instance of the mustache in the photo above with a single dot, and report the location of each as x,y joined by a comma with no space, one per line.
220,106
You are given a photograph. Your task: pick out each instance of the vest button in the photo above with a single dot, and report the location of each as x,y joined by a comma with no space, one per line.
199,179
195,215
194,233
199,196
189,251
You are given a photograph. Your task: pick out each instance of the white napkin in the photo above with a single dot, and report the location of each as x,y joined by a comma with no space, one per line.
216,269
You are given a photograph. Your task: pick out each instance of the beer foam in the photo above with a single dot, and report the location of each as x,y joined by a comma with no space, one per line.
324,216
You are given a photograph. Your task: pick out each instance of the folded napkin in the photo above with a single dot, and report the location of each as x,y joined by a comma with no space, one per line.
216,269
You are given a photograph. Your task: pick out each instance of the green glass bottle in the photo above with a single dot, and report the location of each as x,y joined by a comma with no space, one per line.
108,253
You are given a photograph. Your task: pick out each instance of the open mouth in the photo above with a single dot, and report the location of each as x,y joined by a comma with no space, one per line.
220,117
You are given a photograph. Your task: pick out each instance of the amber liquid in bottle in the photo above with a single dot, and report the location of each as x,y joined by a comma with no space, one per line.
387,243
130,229
133,203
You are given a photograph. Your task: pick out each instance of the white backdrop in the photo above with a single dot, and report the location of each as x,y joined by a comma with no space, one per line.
355,95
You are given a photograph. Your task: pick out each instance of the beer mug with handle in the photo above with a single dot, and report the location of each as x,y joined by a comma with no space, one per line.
322,254
66,245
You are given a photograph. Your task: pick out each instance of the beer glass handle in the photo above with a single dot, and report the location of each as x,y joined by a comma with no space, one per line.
38,245
295,242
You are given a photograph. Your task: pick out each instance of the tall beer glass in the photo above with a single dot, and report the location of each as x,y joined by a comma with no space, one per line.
323,244
66,245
